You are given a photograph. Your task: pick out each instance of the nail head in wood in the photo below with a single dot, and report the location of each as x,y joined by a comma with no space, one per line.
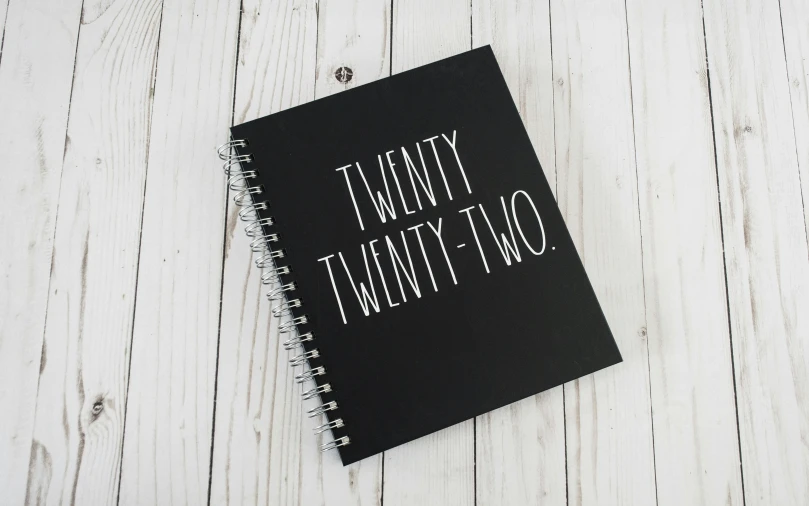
344,74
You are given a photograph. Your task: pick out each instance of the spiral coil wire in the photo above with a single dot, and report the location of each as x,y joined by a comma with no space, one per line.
248,197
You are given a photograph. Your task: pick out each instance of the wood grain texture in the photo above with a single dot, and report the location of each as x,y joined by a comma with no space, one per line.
36,75
440,468
608,414
264,448
765,246
520,449
695,431
795,26
88,328
169,409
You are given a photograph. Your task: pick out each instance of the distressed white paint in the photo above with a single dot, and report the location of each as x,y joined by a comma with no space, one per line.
173,368
36,76
615,98
88,329
695,434
765,246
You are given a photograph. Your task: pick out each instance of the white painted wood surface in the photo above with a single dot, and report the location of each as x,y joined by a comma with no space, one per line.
694,413
88,329
765,246
169,409
683,181
36,77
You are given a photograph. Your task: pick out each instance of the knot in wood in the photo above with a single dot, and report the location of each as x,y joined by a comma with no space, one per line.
343,74
98,407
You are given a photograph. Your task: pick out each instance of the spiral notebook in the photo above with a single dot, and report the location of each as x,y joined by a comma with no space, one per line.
415,255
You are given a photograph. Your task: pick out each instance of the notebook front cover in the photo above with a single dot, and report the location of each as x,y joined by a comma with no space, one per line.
435,269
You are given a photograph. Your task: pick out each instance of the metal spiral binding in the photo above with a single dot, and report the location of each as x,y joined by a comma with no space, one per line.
294,342
322,389
248,198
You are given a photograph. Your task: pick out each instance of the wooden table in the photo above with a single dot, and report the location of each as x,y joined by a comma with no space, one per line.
138,359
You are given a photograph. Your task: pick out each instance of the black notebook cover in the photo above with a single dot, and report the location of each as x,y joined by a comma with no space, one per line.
482,299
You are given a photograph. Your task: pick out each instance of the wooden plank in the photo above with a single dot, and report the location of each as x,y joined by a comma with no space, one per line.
765,246
36,75
609,432
166,455
264,449
795,26
695,433
439,468
520,449
78,433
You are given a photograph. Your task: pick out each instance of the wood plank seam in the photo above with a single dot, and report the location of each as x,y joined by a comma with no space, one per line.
556,195
792,109
643,272
642,266
757,486
224,256
140,243
4,11
724,257
689,367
